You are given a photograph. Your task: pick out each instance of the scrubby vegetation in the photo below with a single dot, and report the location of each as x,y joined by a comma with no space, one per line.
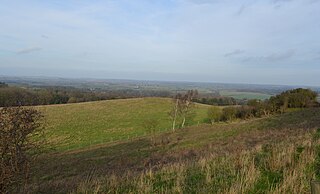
17,125
217,101
297,98
214,114
285,167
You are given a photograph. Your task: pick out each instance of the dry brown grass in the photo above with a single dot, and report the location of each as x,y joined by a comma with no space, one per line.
237,173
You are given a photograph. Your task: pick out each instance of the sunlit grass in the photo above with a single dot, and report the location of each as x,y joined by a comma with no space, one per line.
74,126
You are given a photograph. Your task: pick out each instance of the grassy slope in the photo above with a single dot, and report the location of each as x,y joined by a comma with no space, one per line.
80,125
186,144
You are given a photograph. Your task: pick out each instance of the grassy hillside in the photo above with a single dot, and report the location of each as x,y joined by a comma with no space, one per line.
280,167
190,159
74,126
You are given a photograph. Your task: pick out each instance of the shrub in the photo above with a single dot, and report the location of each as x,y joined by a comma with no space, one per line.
16,127
229,113
246,112
214,114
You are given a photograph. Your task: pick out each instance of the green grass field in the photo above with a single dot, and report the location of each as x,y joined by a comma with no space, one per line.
244,95
74,126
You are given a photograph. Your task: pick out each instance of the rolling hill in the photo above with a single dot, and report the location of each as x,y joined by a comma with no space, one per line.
80,125
182,161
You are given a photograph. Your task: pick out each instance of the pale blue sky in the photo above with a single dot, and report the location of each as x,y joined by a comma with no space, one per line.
239,41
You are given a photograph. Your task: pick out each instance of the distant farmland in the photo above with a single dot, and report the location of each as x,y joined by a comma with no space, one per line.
245,95
74,126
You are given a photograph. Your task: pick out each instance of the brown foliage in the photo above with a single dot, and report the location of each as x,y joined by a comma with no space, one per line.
16,127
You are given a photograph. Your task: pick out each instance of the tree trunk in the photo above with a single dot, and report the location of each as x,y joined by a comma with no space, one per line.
183,122
173,124
175,116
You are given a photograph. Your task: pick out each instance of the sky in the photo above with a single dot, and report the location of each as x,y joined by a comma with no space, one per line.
230,41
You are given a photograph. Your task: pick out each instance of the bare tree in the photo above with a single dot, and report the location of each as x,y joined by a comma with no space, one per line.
186,104
182,105
175,110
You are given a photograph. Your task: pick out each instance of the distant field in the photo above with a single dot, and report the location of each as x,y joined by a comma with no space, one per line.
245,95
74,126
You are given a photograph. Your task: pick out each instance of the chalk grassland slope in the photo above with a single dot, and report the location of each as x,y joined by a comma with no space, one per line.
81,169
74,126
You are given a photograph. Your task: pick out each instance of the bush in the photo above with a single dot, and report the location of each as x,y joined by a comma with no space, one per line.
229,113
246,112
214,114
16,127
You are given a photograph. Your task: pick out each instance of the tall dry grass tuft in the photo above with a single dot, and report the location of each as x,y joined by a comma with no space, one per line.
297,177
246,175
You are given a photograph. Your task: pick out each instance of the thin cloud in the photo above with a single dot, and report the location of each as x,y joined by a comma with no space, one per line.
241,10
279,56
279,3
274,57
28,50
233,53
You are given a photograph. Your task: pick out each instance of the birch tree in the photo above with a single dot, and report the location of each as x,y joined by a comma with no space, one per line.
182,106
187,104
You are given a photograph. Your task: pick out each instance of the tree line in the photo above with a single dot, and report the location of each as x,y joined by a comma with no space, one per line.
29,96
217,101
296,98
183,105
19,96
45,95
